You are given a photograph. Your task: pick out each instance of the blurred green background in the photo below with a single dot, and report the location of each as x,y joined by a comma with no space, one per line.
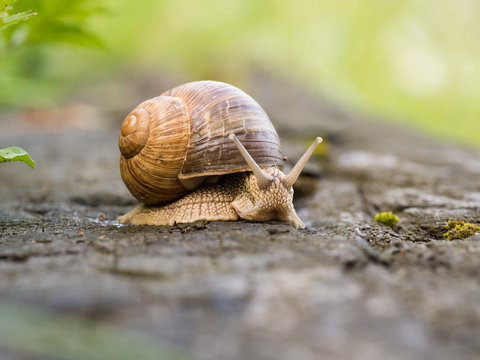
413,62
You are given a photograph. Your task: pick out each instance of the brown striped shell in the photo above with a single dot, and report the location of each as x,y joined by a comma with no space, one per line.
171,143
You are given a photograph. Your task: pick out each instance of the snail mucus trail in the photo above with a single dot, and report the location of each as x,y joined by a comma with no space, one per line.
251,185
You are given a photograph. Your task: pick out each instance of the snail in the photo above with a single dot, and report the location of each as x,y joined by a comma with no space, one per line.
207,151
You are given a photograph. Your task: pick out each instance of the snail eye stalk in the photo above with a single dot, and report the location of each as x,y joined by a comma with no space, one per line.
293,175
263,179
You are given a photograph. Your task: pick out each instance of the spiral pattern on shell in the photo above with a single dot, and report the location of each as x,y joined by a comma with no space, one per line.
134,133
173,141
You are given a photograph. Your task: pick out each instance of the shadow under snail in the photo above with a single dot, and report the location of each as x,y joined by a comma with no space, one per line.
206,151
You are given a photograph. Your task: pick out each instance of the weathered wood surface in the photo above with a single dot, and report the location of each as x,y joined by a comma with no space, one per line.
344,288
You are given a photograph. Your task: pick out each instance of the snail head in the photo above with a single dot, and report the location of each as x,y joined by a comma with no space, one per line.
273,194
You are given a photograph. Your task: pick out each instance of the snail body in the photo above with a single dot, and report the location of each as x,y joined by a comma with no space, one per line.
174,148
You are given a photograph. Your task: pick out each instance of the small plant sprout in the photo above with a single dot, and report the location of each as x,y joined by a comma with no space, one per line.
460,230
386,218
15,153
7,19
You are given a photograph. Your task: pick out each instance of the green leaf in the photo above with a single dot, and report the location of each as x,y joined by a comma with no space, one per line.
5,3
15,153
15,18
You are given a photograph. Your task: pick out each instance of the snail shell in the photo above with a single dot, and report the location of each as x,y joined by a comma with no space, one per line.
169,144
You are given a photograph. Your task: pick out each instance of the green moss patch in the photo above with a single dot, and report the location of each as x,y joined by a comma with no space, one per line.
459,230
386,218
